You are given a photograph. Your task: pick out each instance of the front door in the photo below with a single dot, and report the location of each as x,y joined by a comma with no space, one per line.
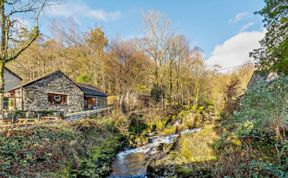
90,103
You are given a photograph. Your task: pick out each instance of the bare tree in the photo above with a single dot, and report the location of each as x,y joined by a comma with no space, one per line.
198,70
178,49
156,40
128,66
11,48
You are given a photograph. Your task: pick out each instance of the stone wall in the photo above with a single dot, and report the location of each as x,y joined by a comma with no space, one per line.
101,102
35,95
18,99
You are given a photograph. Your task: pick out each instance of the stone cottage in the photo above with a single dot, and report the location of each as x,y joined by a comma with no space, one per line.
57,92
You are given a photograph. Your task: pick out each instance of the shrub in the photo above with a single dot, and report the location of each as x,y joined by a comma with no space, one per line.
264,108
83,148
157,93
137,124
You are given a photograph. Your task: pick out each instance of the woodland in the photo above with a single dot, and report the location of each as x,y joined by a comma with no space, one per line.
243,130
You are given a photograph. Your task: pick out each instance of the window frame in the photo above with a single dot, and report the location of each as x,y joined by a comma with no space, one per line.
52,95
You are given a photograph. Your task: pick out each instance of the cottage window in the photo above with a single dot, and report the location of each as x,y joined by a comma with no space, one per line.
57,98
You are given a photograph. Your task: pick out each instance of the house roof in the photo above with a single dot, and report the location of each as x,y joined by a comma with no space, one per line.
91,90
256,76
13,73
37,79
87,89
265,76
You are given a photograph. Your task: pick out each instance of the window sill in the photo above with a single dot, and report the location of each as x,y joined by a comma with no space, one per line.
58,104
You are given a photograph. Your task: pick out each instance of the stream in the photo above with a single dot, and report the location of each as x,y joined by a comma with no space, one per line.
132,163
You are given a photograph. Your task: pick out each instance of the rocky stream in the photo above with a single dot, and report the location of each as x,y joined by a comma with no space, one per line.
132,163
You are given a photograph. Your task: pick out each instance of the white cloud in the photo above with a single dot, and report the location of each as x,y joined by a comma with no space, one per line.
79,9
246,26
238,17
235,50
102,15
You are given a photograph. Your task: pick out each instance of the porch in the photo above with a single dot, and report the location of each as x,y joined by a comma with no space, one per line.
94,98
94,102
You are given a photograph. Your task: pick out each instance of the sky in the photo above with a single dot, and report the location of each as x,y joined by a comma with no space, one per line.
226,30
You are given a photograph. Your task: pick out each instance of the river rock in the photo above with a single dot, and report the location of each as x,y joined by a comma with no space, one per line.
161,171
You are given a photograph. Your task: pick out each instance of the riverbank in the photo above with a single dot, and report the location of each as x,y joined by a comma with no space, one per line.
84,148
188,148
157,132
88,147
133,162
250,142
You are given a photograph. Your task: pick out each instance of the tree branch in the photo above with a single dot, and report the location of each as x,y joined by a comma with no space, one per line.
13,57
30,9
36,35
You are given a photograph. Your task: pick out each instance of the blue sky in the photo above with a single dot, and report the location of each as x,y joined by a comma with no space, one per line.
209,24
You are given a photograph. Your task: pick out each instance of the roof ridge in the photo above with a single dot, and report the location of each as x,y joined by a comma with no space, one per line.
36,79
91,90
88,89
16,75
88,85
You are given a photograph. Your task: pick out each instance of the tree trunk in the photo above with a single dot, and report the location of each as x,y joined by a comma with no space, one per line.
177,83
170,84
2,59
2,65
156,72
121,103
177,86
196,94
3,29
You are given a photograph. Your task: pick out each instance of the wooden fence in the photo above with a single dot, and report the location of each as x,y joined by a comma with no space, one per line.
24,123
89,113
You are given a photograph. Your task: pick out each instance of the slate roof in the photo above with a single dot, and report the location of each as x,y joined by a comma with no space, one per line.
87,89
256,76
13,73
91,90
39,78
265,76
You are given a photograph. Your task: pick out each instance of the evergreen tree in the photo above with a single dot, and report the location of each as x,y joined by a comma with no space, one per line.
273,54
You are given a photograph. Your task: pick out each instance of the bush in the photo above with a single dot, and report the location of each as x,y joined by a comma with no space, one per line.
83,148
254,143
137,124
157,93
265,109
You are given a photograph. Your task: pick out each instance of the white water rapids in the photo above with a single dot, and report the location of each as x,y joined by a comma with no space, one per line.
132,163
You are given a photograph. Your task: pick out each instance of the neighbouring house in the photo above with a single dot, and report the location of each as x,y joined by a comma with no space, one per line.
137,100
11,80
256,77
141,100
57,92
264,76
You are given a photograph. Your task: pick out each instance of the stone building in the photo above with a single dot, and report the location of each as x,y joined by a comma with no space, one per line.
264,76
56,92
11,80
140,100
